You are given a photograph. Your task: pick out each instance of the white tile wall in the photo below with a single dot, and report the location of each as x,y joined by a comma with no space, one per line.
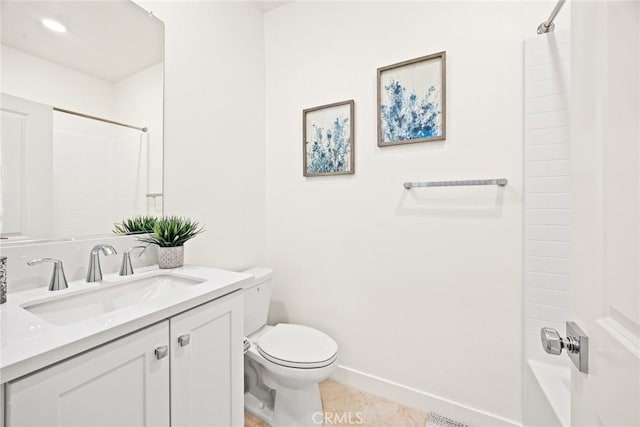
99,175
546,169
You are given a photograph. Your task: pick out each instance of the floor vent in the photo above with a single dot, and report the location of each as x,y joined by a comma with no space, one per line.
437,420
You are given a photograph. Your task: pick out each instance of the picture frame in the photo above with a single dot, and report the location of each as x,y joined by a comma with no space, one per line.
411,103
328,139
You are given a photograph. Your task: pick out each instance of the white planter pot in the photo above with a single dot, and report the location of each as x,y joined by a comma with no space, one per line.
170,257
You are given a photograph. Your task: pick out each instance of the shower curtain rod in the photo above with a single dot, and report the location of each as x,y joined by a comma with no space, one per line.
86,116
548,25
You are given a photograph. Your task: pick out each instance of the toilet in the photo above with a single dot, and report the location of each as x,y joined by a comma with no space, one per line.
283,364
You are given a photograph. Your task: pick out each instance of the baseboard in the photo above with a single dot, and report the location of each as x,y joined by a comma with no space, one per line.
417,399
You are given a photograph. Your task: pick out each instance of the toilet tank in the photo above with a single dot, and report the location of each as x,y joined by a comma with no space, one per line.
257,294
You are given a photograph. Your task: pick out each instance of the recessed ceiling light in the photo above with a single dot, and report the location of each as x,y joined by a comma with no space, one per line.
54,25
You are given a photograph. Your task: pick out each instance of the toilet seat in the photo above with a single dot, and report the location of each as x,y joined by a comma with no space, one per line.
297,346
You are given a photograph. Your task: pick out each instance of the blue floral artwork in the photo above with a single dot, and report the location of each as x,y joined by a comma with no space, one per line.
328,139
411,105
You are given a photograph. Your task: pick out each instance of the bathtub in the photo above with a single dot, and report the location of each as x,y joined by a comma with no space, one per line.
547,388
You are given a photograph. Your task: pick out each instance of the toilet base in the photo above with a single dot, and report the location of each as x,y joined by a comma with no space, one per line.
299,407
257,408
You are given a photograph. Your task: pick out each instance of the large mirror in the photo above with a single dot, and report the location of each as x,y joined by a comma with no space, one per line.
81,111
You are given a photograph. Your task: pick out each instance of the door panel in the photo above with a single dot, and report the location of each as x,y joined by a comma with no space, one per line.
120,384
605,164
207,372
25,167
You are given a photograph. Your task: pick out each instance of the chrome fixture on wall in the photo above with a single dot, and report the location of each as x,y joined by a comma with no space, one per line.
87,116
548,25
126,269
501,182
94,272
58,279
576,344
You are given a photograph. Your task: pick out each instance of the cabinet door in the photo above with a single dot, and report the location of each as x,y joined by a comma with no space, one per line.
207,386
120,384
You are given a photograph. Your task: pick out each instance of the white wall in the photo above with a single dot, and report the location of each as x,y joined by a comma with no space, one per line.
214,127
419,288
138,100
23,76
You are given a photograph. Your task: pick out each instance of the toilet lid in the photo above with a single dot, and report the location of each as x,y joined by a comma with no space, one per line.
297,346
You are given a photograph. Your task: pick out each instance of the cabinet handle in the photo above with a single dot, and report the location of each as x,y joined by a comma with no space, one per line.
162,351
184,339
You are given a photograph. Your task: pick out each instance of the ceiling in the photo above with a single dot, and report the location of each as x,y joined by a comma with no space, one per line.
108,40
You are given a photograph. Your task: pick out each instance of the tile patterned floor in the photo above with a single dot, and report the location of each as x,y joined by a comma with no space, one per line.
339,401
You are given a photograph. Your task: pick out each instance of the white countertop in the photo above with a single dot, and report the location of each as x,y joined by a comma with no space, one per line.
29,343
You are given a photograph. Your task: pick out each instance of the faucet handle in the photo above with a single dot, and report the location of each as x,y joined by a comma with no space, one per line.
126,269
37,261
106,249
58,279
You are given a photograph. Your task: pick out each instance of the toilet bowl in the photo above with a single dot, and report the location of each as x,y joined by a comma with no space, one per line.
284,363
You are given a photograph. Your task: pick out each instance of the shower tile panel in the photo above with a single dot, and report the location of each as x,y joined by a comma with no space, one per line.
553,249
551,102
547,184
539,73
551,281
547,265
547,152
554,233
548,168
548,200
548,89
547,297
557,135
548,120
547,214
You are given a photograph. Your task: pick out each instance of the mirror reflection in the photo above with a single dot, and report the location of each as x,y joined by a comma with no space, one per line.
81,118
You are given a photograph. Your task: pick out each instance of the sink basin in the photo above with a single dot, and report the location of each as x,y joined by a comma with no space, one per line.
105,298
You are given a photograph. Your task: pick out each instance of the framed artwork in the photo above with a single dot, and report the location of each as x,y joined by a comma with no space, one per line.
327,139
412,101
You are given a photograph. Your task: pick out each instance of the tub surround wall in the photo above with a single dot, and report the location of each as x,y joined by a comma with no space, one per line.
214,127
546,215
546,225
423,287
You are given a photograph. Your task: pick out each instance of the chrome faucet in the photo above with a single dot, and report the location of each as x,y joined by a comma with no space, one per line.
126,269
58,280
94,272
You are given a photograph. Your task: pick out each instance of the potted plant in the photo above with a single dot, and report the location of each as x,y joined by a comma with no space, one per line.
170,234
136,225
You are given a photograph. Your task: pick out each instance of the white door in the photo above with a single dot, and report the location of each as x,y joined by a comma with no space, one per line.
605,181
120,384
25,167
207,385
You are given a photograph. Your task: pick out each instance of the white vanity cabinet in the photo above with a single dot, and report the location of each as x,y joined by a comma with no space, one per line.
207,385
122,383
184,371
